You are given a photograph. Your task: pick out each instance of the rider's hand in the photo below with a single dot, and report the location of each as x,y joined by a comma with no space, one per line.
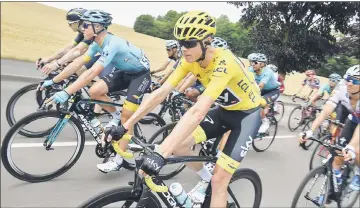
349,153
304,136
59,97
41,61
48,68
47,83
152,163
115,132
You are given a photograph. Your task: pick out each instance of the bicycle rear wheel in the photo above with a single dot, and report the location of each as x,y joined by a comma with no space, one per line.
242,173
263,141
119,195
279,110
10,109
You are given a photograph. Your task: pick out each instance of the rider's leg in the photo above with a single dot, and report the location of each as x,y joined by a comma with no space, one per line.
98,91
237,145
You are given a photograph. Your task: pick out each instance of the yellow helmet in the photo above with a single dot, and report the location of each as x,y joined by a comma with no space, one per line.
194,25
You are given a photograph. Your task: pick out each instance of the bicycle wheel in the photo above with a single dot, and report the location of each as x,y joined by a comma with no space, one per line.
119,195
10,109
242,173
312,176
174,168
7,156
296,117
152,118
263,141
279,110
320,151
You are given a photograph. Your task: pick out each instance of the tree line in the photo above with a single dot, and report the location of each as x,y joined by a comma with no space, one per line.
295,36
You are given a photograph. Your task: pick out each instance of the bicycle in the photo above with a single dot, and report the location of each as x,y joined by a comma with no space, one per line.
328,137
306,114
140,189
267,135
41,95
175,105
77,112
277,109
329,182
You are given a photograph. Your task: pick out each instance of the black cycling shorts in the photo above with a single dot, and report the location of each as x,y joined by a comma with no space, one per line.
270,95
341,113
244,126
107,70
347,133
136,84
199,87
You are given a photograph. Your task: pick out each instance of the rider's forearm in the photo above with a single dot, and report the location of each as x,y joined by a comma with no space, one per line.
82,81
79,50
314,98
60,53
355,141
167,75
188,82
186,126
69,70
326,111
148,104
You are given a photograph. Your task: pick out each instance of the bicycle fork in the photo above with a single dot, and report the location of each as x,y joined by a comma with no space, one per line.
50,139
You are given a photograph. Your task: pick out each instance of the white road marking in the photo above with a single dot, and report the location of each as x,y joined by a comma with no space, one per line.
93,143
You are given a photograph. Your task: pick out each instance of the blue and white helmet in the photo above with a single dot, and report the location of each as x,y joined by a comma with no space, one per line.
97,16
334,77
251,56
259,57
219,43
353,71
273,67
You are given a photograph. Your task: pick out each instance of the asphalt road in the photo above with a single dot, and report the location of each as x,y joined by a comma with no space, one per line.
281,168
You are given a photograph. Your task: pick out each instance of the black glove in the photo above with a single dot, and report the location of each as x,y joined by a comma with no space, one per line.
153,163
116,132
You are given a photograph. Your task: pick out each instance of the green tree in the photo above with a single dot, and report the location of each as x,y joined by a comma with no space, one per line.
145,24
349,45
297,35
338,64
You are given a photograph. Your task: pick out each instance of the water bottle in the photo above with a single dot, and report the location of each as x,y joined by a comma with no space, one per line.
96,124
180,195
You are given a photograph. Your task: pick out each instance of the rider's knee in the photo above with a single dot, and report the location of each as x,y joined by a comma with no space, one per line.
94,92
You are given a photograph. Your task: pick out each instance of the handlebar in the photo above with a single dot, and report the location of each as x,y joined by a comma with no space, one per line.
301,98
330,147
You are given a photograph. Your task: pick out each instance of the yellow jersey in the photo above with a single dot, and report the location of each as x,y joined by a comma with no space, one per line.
225,80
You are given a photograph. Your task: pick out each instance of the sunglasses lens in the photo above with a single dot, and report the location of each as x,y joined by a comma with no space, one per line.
188,43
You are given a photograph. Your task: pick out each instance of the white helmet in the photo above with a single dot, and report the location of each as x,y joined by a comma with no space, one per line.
251,56
273,67
219,43
354,71
260,57
172,44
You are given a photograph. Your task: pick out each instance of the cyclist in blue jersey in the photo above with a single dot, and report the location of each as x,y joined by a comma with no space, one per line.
132,72
334,79
267,83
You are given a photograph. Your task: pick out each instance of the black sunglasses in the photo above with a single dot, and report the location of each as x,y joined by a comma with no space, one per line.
168,49
85,25
255,62
188,43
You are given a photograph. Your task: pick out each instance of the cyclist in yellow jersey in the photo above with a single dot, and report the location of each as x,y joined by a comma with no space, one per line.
227,84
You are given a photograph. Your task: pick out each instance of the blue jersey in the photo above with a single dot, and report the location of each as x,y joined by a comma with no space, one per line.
121,53
267,77
325,88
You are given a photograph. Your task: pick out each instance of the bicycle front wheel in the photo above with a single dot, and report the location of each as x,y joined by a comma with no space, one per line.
21,151
295,118
264,140
123,196
279,110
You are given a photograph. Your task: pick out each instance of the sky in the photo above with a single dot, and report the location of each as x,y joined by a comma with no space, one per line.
125,13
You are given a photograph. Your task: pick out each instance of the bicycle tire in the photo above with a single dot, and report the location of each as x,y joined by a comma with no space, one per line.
311,164
273,122
10,110
253,177
165,129
304,182
117,195
291,113
19,174
280,103
155,117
